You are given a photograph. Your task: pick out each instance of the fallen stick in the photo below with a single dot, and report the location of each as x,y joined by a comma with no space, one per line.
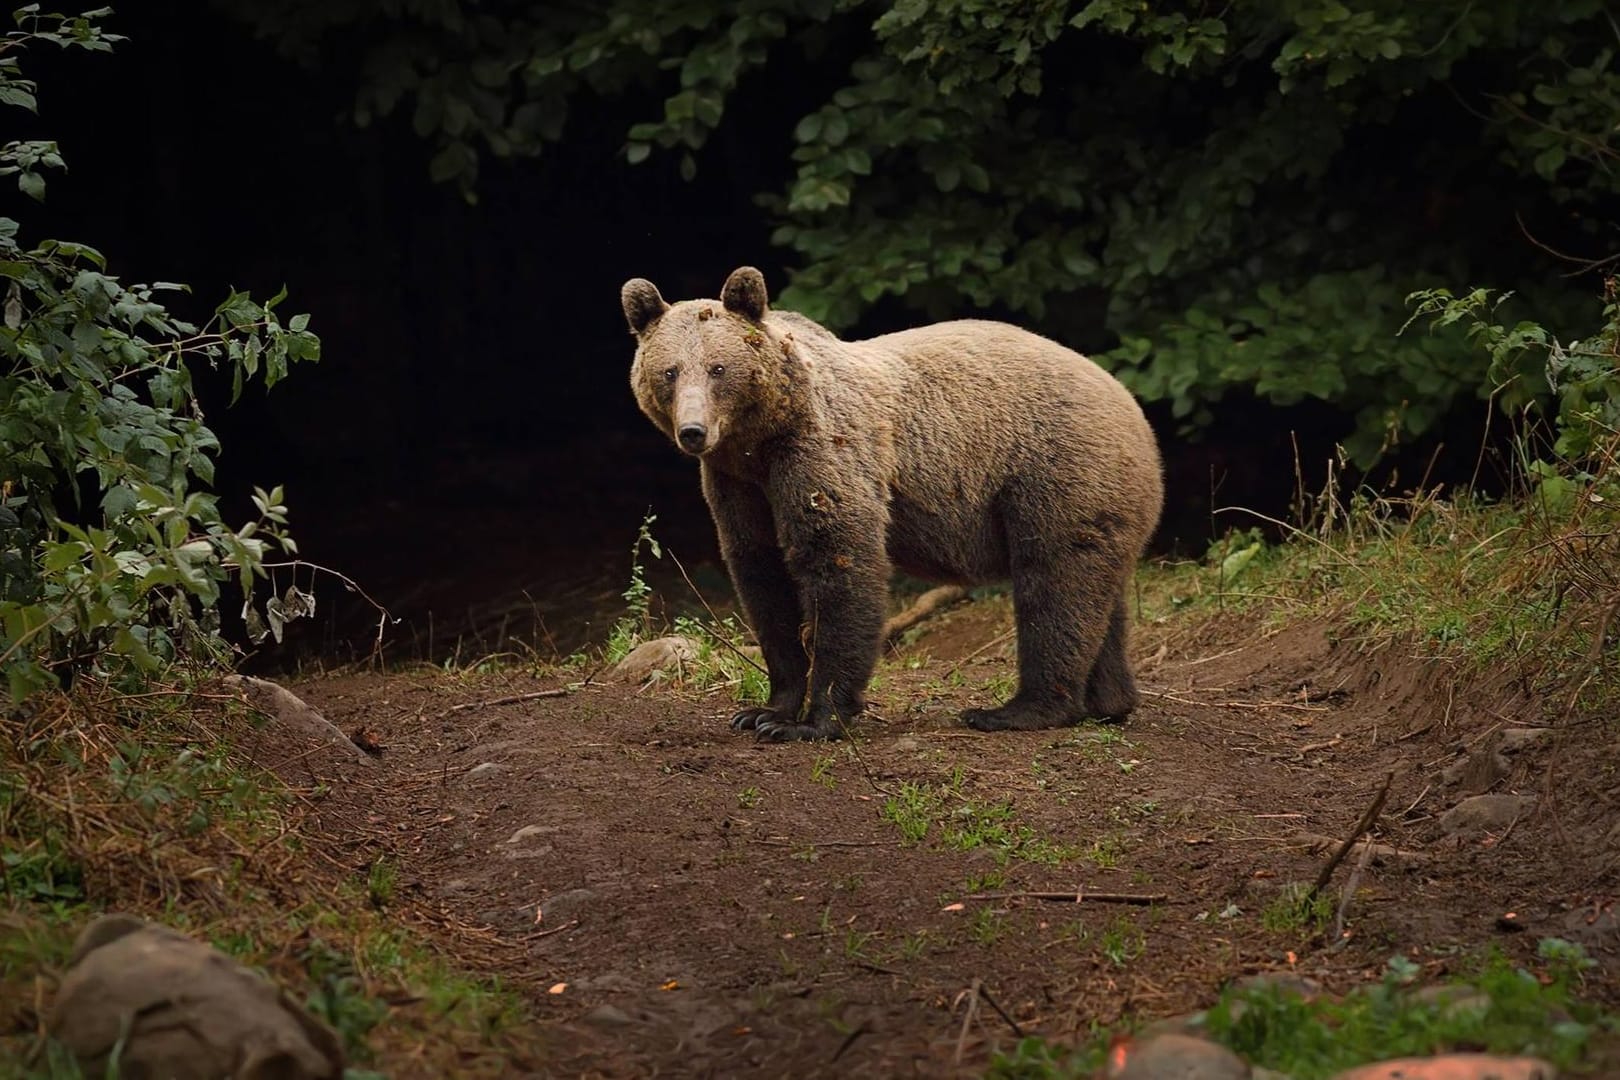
1077,896
967,1020
537,935
924,607
1018,1032
1366,822
510,699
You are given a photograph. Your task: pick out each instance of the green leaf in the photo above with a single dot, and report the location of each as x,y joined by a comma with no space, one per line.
32,185
808,128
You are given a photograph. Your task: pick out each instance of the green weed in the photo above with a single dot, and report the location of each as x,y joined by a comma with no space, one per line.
1122,941
1292,911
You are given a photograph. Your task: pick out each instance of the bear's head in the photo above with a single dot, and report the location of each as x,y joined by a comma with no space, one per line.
708,373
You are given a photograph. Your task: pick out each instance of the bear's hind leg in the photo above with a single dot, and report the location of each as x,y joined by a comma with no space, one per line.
1111,689
1063,624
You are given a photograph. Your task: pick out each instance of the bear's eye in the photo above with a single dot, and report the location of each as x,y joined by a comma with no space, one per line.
670,373
717,370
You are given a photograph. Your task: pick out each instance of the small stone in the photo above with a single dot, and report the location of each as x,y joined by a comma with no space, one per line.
1454,1067
651,657
532,830
1175,1057
908,744
1476,773
1521,738
1485,813
608,1016
566,905
487,768
1593,928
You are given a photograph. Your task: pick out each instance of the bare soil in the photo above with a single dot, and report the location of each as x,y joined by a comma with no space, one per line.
677,900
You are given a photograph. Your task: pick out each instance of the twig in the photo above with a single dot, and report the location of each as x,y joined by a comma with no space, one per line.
924,607
715,618
384,615
849,1040
1323,544
772,842
1077,896
1255,706
974,655
510,699
538,934
1362,826
967,1020
1018,1032
1349,893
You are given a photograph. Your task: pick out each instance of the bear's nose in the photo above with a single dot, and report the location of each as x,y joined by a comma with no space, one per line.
691,437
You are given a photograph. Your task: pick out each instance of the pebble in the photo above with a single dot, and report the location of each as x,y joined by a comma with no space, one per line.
1175,1057
650,657
608,1016
1485,813
487,768
1521,738
1593,929
566,905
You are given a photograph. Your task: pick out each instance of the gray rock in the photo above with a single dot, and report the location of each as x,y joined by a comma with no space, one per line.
286,708
1522,738
1480,814
171,1006
566,905
608,1016
1478,772
1593,928
651,657
1176,1057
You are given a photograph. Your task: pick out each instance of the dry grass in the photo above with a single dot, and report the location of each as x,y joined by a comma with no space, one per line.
136,802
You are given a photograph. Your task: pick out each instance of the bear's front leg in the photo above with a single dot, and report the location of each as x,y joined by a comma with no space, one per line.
768,594
834,552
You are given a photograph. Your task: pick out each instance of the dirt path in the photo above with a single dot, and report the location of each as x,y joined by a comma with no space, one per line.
719,908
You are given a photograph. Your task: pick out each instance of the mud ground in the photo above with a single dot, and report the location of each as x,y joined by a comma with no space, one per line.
679,901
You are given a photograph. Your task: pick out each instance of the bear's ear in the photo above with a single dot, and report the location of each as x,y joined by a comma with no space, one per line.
642,304
744,293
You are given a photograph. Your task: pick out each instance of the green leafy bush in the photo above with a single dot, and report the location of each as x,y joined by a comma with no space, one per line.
1573,386
1219,199
111,557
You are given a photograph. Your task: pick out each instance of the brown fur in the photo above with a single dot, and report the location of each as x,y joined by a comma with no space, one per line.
963,452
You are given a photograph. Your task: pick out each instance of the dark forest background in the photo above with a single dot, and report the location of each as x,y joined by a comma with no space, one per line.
1227,207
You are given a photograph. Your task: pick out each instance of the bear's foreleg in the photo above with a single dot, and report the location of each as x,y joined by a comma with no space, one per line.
769,596
834,547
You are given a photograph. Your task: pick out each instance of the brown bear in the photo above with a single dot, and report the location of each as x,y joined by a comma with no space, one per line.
965,452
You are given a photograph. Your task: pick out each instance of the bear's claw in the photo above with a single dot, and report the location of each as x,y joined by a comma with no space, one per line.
776,730
749,719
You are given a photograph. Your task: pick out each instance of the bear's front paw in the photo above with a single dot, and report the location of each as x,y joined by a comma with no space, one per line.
750,718
783,729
